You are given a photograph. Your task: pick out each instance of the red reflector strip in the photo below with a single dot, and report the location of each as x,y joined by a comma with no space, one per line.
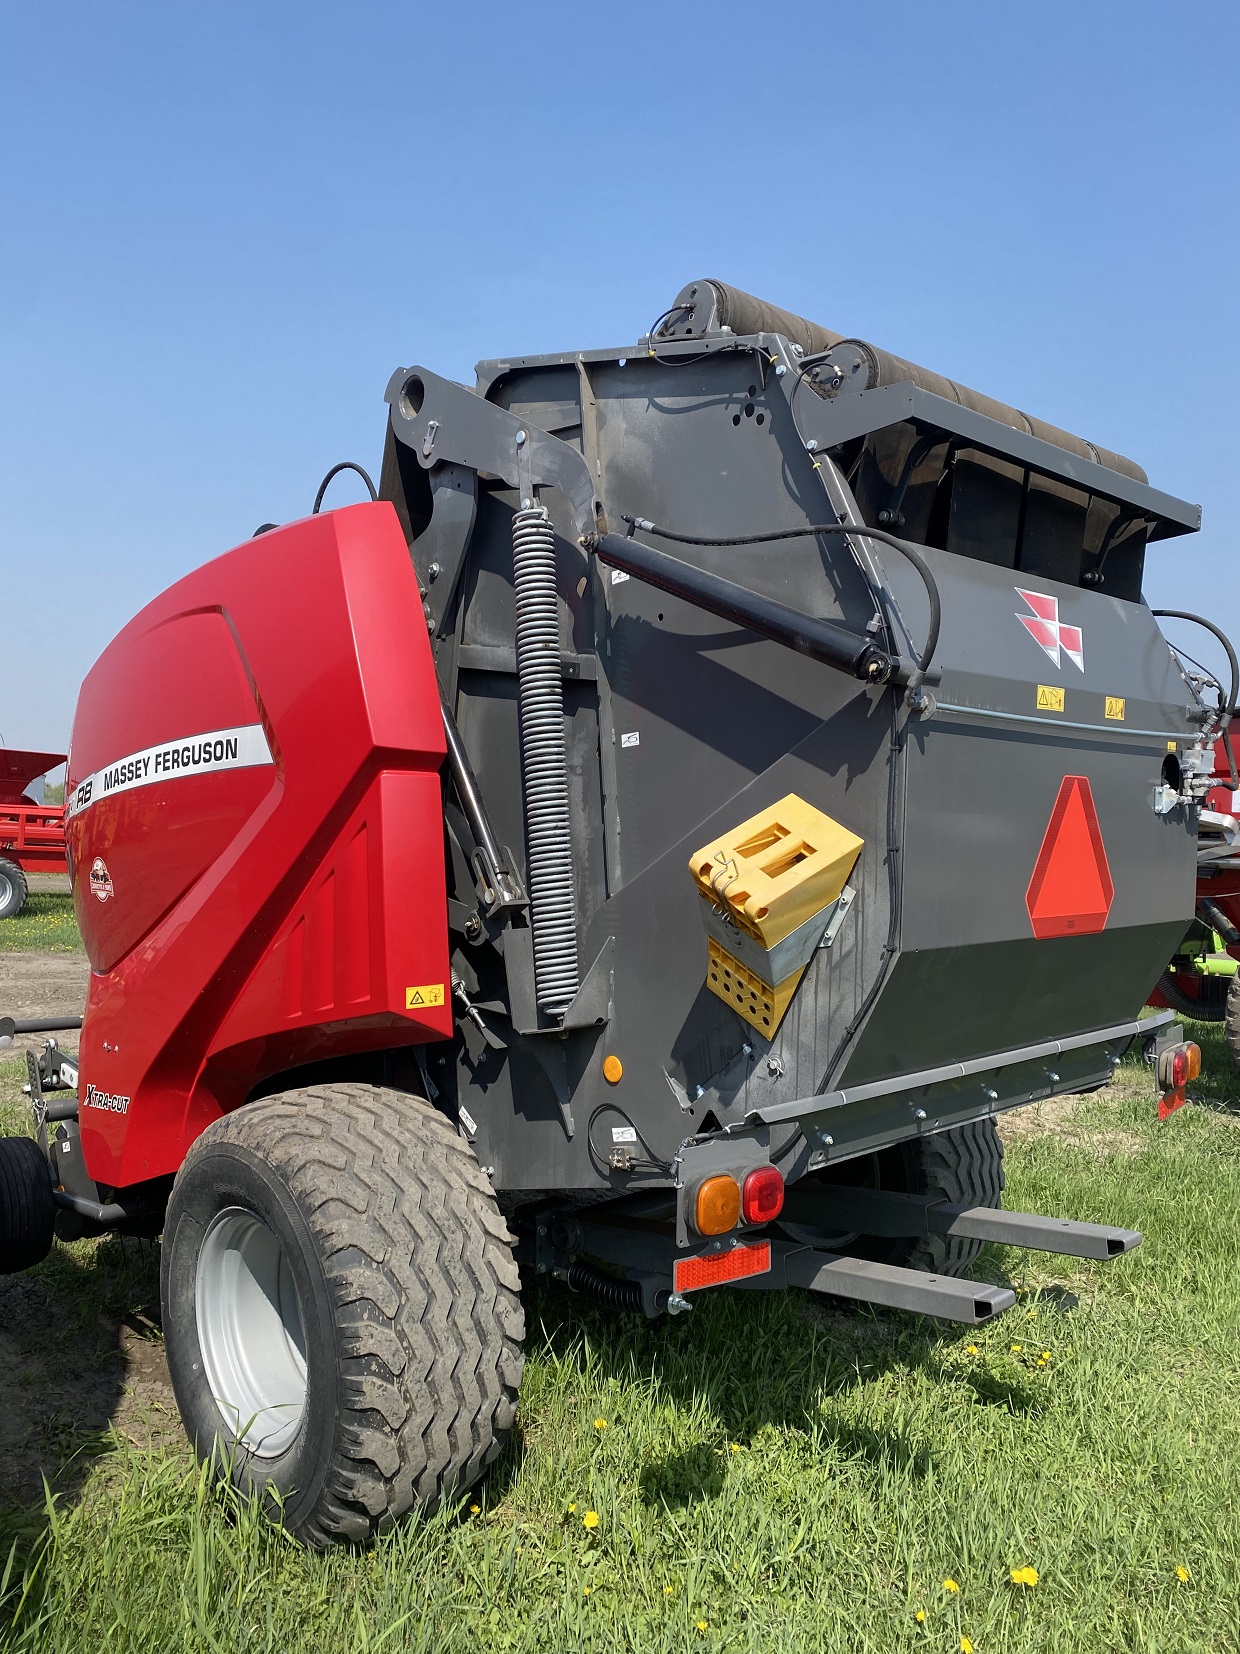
689,1274
1168,1104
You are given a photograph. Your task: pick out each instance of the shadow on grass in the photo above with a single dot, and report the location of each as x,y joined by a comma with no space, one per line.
73,1333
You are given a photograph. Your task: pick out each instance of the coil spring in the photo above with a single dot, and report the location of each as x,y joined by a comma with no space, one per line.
544,762
614,1294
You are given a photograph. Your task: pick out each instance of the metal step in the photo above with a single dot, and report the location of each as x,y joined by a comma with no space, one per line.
876,1212
883,1283
991,1223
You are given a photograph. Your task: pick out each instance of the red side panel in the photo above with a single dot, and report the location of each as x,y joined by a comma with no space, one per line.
256,834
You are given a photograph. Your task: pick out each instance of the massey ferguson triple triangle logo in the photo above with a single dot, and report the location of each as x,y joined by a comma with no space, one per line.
1048,631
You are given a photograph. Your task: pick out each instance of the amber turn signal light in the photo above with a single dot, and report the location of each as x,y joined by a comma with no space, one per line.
718,1205
762,1198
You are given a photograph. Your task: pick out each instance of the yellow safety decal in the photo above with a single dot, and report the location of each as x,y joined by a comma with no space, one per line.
1171,746
430,993
1115,707
1050,698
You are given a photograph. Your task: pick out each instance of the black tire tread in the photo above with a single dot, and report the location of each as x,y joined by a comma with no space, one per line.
1231,1020
962,1165
431,1333
27,1210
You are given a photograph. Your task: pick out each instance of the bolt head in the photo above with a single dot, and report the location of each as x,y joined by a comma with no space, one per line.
433,572
919,1114
780,371
520,439
812,445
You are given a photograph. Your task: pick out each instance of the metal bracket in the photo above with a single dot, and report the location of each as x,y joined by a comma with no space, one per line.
468,430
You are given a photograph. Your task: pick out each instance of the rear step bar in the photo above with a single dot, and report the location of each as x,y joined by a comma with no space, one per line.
873,1212
883,1283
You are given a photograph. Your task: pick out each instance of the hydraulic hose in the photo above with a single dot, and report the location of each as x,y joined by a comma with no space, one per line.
1233,697
812,530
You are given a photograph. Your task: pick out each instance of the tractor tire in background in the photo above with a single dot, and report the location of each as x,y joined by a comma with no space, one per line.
963,1165
341,1310
13,889
27,1210
1231,1020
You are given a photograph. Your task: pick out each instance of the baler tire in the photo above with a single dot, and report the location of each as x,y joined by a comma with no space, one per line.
407,1300
13,889
964,1166
1231,1020
27,1210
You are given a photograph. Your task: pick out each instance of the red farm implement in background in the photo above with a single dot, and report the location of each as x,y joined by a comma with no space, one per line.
32,835
1201,980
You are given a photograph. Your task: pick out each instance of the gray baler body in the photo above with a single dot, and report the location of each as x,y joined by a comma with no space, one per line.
935,1002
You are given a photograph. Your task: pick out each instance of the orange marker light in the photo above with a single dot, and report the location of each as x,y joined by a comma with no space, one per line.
613,1069
718,1206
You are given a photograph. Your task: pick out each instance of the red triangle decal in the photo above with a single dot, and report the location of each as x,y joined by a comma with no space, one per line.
1070,893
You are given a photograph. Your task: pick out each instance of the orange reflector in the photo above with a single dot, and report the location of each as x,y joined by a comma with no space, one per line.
718,1205
613,1069
690,1274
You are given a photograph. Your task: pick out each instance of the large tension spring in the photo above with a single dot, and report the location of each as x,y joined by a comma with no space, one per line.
544,762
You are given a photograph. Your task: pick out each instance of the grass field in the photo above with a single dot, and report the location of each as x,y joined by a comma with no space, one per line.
46,924
767,1473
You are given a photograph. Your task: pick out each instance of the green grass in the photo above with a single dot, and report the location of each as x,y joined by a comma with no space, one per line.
774,1472
46,924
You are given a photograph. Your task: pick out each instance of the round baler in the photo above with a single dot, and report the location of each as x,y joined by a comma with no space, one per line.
648,844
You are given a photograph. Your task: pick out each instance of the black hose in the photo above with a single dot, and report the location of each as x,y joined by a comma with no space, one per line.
345,465
607,1289
812,530
1200,1010
1200,620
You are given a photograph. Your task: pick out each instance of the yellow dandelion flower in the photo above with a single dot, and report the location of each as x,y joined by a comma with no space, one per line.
1046,1355
572,1509
702,1625
1182,1574
951,1585
966,1647
590,1519
474,1509
667,1590
970,1349
920,1616
586,1589
600,1424
1024,1576
1015,1349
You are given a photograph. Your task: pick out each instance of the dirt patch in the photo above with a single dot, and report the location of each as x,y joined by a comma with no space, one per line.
1059,1117
43,985
80,1351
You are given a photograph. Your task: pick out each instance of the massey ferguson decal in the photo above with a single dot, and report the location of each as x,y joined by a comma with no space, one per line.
220,749
106,1100
100,879
1048,631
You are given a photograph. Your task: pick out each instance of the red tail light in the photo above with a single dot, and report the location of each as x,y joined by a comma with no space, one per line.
762,1199
1177,1068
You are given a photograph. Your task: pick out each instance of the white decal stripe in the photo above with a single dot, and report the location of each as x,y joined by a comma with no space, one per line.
218,749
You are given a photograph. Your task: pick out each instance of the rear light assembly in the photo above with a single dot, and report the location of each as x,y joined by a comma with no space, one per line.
762,1197
1178,1067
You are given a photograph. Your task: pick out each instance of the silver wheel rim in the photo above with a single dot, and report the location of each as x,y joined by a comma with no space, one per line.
251,1333
6,890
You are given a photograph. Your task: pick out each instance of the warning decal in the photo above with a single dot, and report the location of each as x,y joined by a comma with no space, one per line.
1050,698
430,993
1071,891
219,749
1115,707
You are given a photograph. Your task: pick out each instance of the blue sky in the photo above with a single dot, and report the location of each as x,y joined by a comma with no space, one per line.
222,227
